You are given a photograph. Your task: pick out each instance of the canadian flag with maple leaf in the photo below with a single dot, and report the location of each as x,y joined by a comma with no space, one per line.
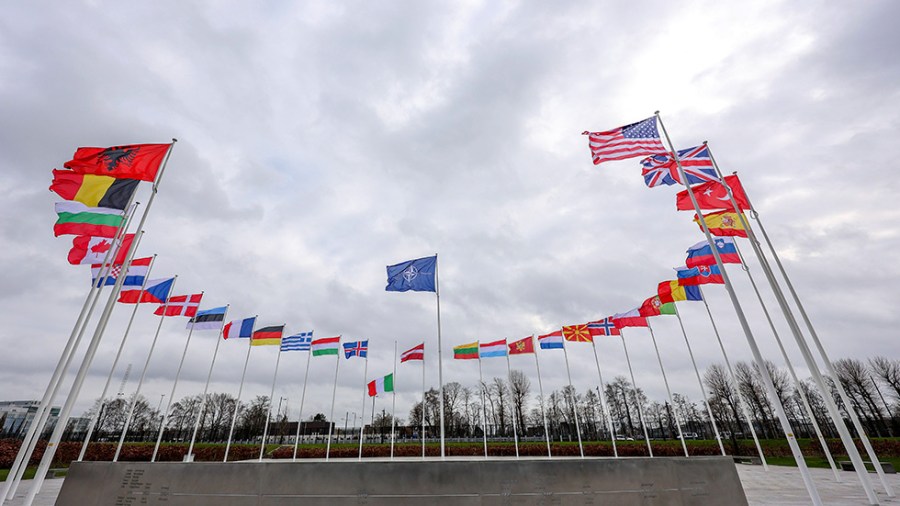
92,250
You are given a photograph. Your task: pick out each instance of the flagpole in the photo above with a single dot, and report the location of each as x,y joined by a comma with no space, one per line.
190,455
515,427
637,400
483,404
393,398
140,384
572,398
790,367
734,381
603,404
237,401
365,392
757,355
29,443
262,447
437,293
112,370
423,401
712,419
537,365
302,399
337,366
668,391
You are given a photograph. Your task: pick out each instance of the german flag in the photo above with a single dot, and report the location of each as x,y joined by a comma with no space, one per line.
267,336
93,191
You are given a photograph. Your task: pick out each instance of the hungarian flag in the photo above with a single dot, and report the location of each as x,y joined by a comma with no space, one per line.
630,318
75,218
467,351
325,346
381,385
604,327
414,353
653,306
551,341
629,141
577,333
135,275
714,195
521,346
92,250
156,291
181,305
671,291
701,253
723,224
700,275
136,161
93,191
267,336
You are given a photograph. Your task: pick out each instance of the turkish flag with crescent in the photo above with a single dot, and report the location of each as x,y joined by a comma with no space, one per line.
714,195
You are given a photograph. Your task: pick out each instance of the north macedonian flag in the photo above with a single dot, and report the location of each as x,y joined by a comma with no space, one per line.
93,191
136,161
577,333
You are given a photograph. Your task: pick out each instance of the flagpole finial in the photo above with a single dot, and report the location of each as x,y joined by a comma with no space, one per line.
174,140
705,143
656,113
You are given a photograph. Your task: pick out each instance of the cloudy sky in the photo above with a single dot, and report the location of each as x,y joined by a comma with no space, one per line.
319,142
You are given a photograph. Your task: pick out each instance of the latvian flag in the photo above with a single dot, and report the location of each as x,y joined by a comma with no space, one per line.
239,328
181,305
267,336
325,346
208,319
137,271
415,353
381,385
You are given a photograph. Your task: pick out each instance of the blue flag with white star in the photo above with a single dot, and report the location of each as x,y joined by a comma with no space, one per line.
417,275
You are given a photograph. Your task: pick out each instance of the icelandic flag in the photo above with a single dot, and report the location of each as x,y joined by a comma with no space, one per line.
137,271
553,340
494,349
700,275
417,275
701,253
356,349
156,291
239,328
208,319
662,169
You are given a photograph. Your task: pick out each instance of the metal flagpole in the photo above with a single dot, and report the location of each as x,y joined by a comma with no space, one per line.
190,455
393,398
712,419
790,367
237,401
140,384
483,404
668,391
572,398
302,398
437,293
364,393
515,427
262,447
165,419
26,450
337,366
423,401
745,325
537,365
734,381
112,370
612,435
637,401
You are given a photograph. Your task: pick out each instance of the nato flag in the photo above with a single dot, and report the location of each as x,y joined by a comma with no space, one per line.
417,275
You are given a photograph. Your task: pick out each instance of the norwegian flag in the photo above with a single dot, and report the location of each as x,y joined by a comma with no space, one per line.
604,327
662,169
181,305
629,141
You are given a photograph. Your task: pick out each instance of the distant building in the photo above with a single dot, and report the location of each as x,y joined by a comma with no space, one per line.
17,416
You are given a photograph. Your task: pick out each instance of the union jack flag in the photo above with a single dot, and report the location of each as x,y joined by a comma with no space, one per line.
662,169
356,349
604,327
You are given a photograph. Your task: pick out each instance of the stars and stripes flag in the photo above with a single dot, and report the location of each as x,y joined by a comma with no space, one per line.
181,305
629,141
356,349
414,353
297,342
662,169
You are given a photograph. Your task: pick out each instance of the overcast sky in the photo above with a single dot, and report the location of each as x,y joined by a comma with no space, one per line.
319,142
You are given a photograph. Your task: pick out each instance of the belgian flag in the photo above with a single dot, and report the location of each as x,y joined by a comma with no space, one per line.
93,191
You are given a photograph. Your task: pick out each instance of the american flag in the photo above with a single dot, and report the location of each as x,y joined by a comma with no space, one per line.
414,353
356,349
629,141
297,342
662,169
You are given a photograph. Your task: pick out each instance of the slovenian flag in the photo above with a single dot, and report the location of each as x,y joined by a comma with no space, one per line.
156,291
381,385
494,349
239,328
551,341
137,271
701,253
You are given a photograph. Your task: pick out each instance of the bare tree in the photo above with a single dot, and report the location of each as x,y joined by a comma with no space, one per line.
520,387
855,379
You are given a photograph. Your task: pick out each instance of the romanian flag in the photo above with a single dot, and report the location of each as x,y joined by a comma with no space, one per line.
137,161
653,306
723,224
522,346
93,191
466,351
76,218
671,291
577,333
267,336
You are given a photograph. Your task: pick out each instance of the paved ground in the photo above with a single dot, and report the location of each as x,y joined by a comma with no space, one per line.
780,486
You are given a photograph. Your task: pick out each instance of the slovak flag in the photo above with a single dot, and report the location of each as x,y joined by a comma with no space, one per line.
182,305
239,328
156,291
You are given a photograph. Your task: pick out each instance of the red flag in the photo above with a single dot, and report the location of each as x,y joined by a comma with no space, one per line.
714,195
525,345
630,318
577,333
92,250
181,305
414,353
137,161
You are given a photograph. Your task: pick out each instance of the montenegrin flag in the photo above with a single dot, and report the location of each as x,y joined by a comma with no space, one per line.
93,191
467,351
493,349
135,161
381,385
75,218
671,291
325,346
701,253
521,346
723,224
92,250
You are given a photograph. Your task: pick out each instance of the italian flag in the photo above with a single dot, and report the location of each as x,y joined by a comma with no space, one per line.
381,385
325,346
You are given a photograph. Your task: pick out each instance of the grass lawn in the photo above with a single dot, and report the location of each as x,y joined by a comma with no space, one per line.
822,462
29,473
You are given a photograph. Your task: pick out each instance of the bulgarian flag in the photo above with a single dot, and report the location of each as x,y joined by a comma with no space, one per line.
325,346
381,385
76,218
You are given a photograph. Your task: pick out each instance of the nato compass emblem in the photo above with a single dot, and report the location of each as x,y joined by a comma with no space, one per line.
117,155
410,273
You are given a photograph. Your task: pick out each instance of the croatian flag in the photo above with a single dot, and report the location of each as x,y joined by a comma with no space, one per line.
494,349
553,340
137,271
239,328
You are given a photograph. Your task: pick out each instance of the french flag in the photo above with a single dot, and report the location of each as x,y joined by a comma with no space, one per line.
239,328
156,291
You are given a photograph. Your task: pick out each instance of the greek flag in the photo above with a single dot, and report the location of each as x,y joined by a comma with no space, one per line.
297,342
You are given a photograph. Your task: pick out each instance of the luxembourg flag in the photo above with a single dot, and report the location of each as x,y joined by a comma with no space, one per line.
701,253
494,349
239,328
156,291
551,341
137,271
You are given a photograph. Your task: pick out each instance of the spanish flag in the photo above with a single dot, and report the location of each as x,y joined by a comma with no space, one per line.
723,224
93,191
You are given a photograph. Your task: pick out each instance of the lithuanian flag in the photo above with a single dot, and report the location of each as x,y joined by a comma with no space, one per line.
93,191
466,351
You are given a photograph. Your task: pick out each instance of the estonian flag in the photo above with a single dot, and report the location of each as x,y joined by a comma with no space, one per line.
208,319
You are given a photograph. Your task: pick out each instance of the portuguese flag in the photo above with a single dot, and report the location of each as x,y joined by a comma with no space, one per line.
76,218
466,351
137,161
93,191
381,385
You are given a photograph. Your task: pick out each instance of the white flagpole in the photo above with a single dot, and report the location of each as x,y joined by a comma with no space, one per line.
190,452
537,365
364,393
393,398
515,427
744,410
262,447
790,367
604,406
483,402
745,325
140,384
668,391
572,398
423,401
237,401
165,419
437,293
333,395
112,370
637,401
302,399
712,419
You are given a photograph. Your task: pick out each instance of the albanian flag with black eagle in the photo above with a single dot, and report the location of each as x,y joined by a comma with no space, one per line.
135,161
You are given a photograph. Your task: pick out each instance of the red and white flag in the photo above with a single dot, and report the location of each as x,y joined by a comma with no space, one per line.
414,353
629,141
181,305
87,249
